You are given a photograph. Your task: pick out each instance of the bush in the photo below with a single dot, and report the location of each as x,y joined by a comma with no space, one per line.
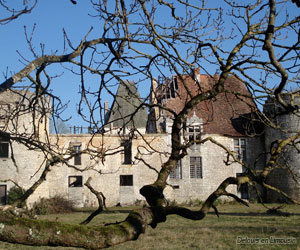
54,205
14,194
139,203
194,203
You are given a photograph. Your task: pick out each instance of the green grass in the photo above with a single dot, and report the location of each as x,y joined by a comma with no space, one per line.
209,233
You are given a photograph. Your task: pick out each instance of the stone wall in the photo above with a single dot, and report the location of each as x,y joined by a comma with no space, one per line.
119,182
288,169
213,167
20,120
106,174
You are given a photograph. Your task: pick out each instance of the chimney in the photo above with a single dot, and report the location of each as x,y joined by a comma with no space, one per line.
196,75
153,91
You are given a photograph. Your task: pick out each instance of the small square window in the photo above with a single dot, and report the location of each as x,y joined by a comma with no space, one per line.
75,181
126,180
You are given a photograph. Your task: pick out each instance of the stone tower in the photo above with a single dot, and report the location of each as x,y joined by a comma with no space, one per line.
287,177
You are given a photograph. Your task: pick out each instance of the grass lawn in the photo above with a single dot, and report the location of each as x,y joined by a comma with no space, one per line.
236,223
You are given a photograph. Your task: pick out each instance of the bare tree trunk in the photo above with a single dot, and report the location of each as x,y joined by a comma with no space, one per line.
42,233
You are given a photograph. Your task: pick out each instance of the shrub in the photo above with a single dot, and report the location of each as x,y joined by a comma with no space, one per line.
194,203
54,205
139,203
14,194
173,203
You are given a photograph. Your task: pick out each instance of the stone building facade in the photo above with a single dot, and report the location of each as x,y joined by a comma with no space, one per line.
23,117
137,145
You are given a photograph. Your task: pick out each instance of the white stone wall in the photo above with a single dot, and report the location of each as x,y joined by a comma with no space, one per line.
22,166
214,171
106,174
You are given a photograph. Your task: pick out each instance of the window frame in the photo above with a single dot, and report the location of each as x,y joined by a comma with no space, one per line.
77,156
4,113
176,174
195,134
243,189
196,170
6,151
79,179
171,88
126,180
240,148
126,152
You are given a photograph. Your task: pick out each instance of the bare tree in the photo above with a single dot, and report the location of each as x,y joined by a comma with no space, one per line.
15,11
254,42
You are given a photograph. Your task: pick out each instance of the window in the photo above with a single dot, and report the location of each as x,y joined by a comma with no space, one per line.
177,172
75,181
4,145
127,152
169,131
126,180
4,111
20,106
171,88
3,194
196,167
77,157
194,133
240,149
243,188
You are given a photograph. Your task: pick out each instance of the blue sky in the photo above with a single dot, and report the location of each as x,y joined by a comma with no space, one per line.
50,18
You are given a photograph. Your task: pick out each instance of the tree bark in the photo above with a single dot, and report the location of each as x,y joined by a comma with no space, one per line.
41,233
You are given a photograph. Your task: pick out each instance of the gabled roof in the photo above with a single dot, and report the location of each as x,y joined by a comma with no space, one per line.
123,112
219,115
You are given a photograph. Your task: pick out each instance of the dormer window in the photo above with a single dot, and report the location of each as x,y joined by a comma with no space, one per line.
194,133
193,129
171,88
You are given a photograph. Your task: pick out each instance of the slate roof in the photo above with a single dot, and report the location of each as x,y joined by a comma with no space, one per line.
123,111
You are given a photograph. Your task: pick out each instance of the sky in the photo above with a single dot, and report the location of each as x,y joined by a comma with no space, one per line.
49,18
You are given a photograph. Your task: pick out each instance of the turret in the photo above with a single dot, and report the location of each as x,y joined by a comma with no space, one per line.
287,176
